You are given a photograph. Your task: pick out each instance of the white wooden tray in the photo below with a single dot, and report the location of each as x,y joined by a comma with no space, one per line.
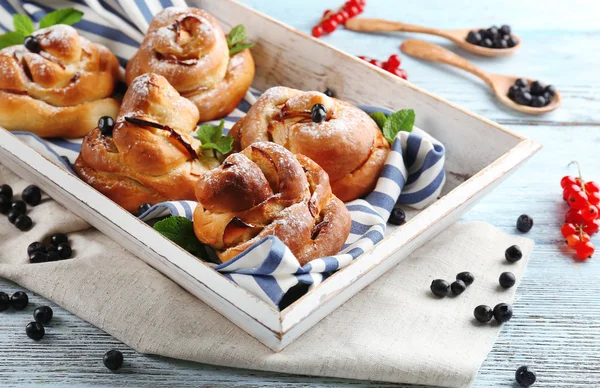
480,154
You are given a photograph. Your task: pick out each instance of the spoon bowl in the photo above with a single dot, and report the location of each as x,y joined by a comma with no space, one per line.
458,37
497,82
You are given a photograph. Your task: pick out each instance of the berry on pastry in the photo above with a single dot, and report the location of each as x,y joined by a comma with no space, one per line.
57,83
338,136
149,154
188,47
265,190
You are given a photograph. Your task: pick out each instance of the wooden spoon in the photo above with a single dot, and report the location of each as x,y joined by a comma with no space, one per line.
497,82
457,36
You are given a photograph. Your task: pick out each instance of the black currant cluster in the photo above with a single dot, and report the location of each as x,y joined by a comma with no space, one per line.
15,210
493,37
536,95
59,249
41,315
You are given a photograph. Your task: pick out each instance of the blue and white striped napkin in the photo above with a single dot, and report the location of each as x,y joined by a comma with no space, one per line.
413,175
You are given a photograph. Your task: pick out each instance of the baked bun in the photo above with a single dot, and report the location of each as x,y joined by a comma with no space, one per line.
60,88
347,143
188,47
150,156
267,191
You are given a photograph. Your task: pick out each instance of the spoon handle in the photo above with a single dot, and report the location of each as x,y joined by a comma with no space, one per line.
435,53
381,25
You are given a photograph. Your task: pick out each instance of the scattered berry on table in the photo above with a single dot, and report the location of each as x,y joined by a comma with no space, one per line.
32,195
38,257
19,206
524,223
143,208
467,277
58,238
458,287
317,31
106,124
64,251
585,250
440,287
318,113
392,65
23,222
43,315
5,203
4,301
35,331
32,44
12,215
507,280
397,217
19,300
483,313
329,25
503,312
113,359
525,377
513,254
53,255
6,191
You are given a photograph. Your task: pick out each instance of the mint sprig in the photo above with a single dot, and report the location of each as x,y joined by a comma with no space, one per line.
180,230
24,26
236,38
402,120
212,137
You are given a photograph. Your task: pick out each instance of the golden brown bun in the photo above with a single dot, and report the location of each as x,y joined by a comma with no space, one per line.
188,47
60,91
267,191
348,145
142,164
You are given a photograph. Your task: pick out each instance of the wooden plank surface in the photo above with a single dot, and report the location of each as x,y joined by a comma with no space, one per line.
556,328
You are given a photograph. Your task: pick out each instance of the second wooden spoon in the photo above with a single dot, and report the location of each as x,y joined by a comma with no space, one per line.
497,82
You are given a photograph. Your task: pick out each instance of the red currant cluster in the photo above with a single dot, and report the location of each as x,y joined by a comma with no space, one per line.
582,219
392,65
331,20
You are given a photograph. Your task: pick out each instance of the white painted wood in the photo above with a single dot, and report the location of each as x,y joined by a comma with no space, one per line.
480,154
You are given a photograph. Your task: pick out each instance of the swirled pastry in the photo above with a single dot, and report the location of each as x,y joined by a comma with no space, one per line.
341,138
57,85
151,155
188,47
266,190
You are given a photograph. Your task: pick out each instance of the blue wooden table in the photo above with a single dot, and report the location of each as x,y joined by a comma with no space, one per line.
556,328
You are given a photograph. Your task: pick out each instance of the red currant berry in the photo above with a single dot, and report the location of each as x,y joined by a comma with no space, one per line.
568,229
594,198
393,62
327,13
364,58
591,227
362,3
585,250
574,217
573,240
584,237
376,63
592,187
353,10
578,200
344,14
317,31
567,181
329,25
589,213
339,19
399,72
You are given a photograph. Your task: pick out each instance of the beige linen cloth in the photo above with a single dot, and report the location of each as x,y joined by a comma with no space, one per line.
394,330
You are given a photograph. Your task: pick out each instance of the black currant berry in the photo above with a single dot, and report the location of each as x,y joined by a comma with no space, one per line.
143,208
440,287
318,113
6,191
58,238
507,279
32,44
19,300
5,203
106,124
4,301
64,251
458,287
483,313
43,315
35,331
524,223
39,257
503,312
525,377
398,217
513,254
23,222
113,359
467,277
32,195
19,206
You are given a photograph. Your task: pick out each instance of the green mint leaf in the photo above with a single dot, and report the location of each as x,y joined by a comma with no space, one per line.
237,35
208,133
380,118
23,24
180,230
67,16
223,145
11,38
239,47
403,120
